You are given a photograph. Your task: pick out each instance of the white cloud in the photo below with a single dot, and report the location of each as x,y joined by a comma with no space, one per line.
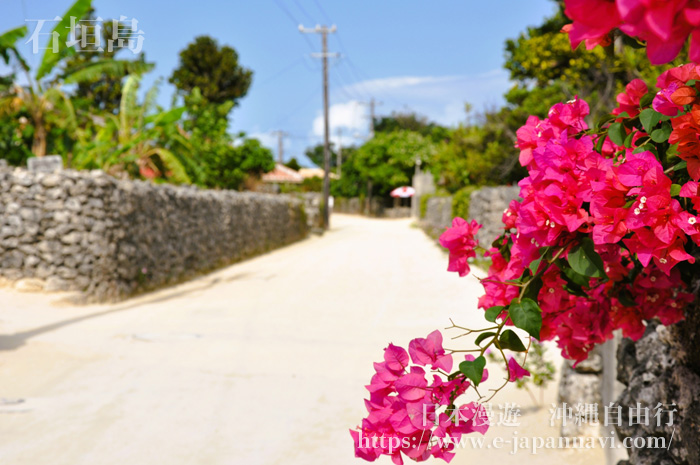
350,117
267,139
440,98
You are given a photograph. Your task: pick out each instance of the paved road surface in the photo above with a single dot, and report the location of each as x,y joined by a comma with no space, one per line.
263,362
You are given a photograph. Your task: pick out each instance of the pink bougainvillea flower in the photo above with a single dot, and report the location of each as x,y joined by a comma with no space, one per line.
629,99
429,351
396,358
515,371
593,20
460,241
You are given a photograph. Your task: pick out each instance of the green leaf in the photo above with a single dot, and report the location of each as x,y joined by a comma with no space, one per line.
533,288
94,70
527,316
176,168
625,298
599,143
509,340
483,336
672,151
680,166
585,260
166,117
617,133
675,189
474,369
662,134
9,38
575,290
574,277
642,140
493,312
535,264
649,118
646,100
79,10
628,139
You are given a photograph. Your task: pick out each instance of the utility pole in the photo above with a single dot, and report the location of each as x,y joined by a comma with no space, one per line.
280,145
324,31
371,104
339,156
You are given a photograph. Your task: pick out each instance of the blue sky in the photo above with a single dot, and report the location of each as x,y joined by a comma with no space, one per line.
428,56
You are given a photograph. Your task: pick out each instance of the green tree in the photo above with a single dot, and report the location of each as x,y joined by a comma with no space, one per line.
128,143
217,162
214,70
388,160
42,97
351,182
315,154
293,163
545,70
408,121
228,167
101,91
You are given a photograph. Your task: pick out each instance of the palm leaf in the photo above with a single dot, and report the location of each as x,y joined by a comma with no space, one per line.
166,117
149,102
56,96
92,71
178,173
127,104
8,40
79,10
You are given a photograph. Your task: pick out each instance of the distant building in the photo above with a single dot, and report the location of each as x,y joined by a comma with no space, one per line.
283,175
314,173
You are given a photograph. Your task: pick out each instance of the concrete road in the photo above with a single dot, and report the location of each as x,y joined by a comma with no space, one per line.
263,362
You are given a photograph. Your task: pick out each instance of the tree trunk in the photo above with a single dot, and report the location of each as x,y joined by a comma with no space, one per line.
39,142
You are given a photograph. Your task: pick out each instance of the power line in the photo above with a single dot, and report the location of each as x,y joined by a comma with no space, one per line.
355,87
300,107
293,20
323,12
335,78
303,11
292,65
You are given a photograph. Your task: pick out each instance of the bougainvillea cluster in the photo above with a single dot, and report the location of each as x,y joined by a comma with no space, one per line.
665,25
615,195
413,412
604,237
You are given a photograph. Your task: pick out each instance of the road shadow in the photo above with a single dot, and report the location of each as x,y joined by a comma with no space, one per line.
17,340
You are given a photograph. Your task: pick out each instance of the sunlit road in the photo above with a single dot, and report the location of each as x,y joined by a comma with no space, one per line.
263,362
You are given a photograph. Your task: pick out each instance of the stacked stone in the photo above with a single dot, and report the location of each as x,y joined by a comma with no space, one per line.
580,387
54,227
89,232
660,370
487,206
438,215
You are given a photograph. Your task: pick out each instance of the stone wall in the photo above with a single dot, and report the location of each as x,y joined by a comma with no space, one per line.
89,232
358,206
437,215
486,206
662,368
